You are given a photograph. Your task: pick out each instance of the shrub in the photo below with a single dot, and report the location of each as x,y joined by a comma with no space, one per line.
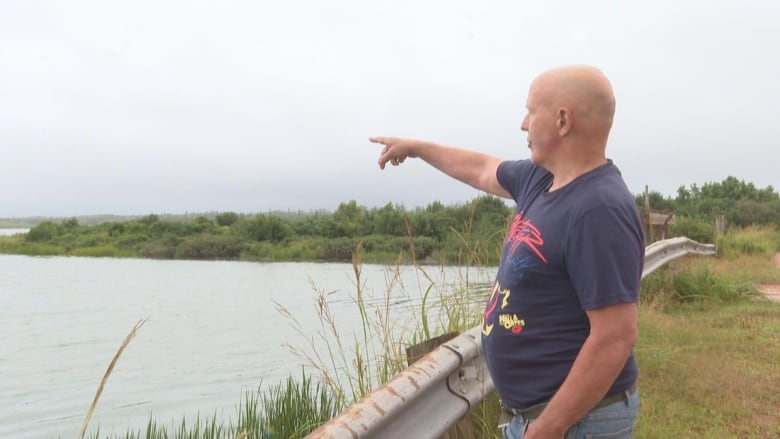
305,250
262,228
129,241
699,284
695,229
339,249
209,247
44,231
158,250
226,219
91,240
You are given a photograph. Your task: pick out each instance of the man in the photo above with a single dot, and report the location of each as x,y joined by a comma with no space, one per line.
560,324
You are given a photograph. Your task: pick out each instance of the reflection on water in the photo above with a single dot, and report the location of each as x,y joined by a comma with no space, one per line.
213,332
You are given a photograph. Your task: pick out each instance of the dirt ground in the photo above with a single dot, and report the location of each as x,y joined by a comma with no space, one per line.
773,290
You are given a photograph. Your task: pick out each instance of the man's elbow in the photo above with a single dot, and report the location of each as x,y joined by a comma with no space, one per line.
616,327
629,336
625,336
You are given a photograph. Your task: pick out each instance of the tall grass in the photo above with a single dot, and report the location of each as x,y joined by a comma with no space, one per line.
352,365
101,251
744,260
288,410
754,240
19,246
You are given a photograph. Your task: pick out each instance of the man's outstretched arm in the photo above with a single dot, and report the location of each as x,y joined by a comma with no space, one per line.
473,168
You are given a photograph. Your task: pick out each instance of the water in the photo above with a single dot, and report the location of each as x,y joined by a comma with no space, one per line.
11,232
213,332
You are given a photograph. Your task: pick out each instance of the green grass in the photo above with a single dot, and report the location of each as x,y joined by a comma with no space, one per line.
288,410
760,241
17,245
101,251
710,370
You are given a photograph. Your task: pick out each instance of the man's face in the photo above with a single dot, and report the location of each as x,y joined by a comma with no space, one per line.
539,123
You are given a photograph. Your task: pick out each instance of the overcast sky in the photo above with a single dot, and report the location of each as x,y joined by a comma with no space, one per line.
136,107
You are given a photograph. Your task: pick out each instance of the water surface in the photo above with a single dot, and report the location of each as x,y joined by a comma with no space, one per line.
213,332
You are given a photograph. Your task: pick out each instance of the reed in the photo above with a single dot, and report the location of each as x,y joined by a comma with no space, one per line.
110,369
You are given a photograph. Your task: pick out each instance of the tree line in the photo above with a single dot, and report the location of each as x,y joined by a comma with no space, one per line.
466,233
470,233
696,207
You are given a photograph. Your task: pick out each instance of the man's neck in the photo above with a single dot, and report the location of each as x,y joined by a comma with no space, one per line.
564,175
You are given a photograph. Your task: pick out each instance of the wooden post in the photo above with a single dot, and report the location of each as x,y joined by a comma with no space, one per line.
649,237
720,225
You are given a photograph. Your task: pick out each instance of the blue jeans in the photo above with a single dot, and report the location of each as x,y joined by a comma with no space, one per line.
614,421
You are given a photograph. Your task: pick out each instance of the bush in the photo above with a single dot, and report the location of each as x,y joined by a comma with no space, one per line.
209,247
90,241
702,284
262,228
158,250
226,219
339,249
44,231
131,241
305,250
695,229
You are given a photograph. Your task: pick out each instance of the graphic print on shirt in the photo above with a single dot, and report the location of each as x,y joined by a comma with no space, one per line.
498,301
522,231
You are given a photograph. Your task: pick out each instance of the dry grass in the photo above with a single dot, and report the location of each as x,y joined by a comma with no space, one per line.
110,369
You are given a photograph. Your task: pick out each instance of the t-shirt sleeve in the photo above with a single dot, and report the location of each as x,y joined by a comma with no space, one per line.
604,258
508,175
518,177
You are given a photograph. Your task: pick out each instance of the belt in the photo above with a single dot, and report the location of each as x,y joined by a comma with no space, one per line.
534,411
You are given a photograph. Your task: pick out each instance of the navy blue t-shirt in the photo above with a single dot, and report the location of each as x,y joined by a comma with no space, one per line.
574,249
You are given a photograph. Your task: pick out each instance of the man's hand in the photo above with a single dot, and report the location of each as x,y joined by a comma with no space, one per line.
396,150
536,430
473,168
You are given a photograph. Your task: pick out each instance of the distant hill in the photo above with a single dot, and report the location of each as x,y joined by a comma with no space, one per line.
91,220
32,221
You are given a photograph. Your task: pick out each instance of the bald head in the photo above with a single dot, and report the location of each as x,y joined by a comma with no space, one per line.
584,91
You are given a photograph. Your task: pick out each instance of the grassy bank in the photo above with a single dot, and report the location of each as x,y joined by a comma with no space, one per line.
710,371
708,352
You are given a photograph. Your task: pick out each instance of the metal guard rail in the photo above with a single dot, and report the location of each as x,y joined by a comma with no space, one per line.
427,398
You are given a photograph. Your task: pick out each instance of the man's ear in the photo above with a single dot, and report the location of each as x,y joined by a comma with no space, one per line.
563,121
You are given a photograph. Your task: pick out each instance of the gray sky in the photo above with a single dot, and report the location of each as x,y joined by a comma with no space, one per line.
134,107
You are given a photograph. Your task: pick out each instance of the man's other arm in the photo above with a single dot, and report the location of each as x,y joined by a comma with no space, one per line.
613,332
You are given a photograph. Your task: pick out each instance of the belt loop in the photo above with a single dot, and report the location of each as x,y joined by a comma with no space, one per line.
628,397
